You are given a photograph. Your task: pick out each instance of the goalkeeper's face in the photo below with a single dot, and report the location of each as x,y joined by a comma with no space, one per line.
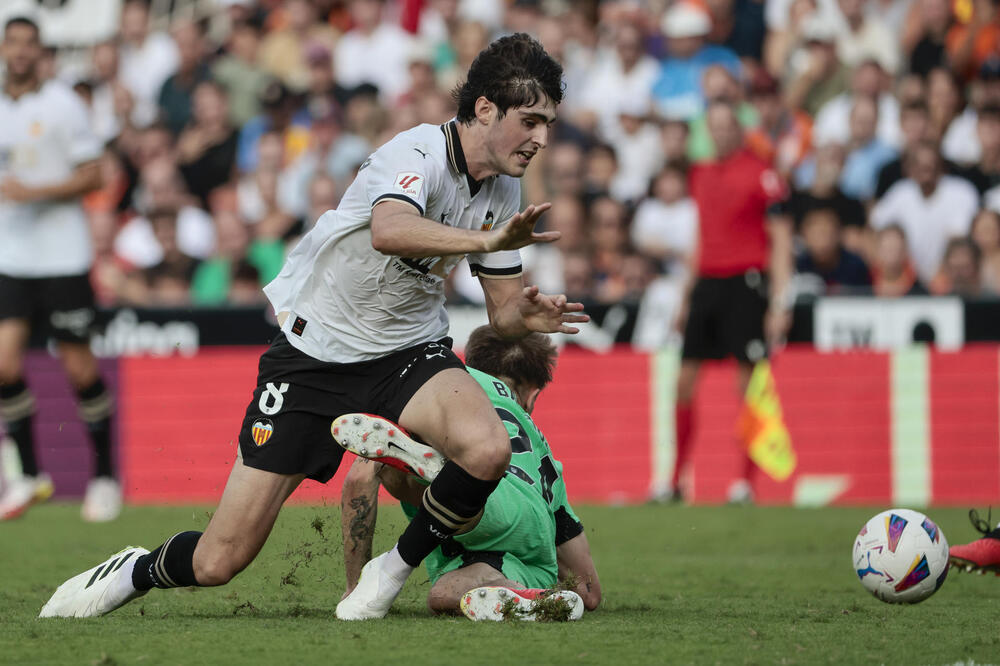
21,50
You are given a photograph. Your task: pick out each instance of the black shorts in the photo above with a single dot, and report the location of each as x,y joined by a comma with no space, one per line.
726,318
58,307
286,429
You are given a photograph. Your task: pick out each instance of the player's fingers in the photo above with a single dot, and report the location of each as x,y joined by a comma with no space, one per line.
570,330
538,210
572,307
575,319
546,236
531,293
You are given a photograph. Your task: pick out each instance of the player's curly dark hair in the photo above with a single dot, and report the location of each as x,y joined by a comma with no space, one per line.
511,72
527,362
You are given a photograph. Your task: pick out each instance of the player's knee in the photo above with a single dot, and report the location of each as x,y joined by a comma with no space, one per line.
487,454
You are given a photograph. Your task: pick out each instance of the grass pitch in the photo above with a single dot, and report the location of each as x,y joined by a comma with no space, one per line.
682,585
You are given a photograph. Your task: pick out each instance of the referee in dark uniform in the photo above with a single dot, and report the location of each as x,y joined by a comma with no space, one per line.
734,303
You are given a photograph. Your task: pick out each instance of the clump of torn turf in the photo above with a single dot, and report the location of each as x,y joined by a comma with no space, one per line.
551,608
548,607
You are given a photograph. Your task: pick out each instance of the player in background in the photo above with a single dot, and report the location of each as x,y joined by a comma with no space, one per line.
363,329
48,161
527,538
981,555
734,303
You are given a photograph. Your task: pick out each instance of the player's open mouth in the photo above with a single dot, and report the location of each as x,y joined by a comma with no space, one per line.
525,155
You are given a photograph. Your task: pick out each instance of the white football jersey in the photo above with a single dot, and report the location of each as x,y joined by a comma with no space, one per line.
349,303
44,136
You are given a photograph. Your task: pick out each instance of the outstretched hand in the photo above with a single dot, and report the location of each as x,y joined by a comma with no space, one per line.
549,314
520,231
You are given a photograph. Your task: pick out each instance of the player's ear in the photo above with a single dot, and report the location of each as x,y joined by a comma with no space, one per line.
530,395
485,110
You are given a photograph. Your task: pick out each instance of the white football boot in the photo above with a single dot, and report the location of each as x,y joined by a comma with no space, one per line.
97,591
502,603
103,501
374,594
21,492
380,439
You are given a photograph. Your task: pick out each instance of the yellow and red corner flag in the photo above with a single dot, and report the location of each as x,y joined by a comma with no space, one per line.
761,427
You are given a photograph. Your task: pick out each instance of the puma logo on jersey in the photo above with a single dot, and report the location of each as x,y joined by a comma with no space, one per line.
422,153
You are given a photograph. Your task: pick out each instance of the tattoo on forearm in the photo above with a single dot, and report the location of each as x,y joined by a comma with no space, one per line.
361,529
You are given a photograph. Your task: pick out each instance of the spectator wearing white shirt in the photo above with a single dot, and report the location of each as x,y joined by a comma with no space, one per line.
374,51
626,73
637,149
833,121
163,188
864,37
930,207
146,61
665,226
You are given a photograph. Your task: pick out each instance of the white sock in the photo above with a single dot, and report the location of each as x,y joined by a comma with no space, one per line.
395,566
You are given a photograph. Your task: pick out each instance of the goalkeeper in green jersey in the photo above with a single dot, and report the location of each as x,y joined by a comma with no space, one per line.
527,539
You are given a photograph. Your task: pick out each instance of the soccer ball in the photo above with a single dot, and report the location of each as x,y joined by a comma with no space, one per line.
901,556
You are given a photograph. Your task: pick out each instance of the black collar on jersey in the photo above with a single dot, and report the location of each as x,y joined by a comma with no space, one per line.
457,157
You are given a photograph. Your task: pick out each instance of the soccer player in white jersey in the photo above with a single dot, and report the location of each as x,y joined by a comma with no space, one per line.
361,301
48,160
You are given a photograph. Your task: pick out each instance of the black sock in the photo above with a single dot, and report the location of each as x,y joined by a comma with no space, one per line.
17,409
95,405
170,565
454,499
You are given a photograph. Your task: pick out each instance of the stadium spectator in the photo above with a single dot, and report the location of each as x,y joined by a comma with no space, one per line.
824,192
953,123
677,90
284,51
176,96
370,34
961,270
833,120
930,206
971,43
146,60
718,84
626,74
823,256
985,172
168,282
735,302
818,76
206,148
237,69
163,188
607,227
866,152
543,264
865,37
985,234
281,116
893,274
915,127
636,144
923,39
331,151
781,136
665,226
50,163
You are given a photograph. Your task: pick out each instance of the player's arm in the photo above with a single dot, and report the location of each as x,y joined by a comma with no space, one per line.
575,561
85,178
780,268
399,229
515,310
358,511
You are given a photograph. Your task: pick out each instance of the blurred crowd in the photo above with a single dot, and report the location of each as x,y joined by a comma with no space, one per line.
229,132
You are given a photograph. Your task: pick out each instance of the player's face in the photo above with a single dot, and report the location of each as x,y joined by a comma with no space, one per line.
21,50
515,138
